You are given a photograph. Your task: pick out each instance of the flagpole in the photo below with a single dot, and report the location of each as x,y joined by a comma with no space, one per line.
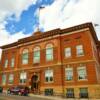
39,11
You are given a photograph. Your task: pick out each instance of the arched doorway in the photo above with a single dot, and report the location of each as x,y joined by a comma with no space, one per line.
35,84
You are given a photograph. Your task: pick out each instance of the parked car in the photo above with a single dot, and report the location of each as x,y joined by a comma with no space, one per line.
19,90
24,91
13,90
1,89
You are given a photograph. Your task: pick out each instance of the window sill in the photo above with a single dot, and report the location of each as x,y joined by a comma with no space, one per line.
49,82
80,55
10,84
50,60
82,79
22,83
69,81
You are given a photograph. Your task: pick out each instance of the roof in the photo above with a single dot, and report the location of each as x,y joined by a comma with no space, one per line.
40,35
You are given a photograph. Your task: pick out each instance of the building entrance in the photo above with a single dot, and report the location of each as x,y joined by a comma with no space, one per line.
35,84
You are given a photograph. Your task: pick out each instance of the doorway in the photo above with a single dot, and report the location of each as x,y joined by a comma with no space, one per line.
35,84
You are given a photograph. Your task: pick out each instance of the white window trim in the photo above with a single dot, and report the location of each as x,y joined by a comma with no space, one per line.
78,49
67,69
67,52
50,46
79,68
49,76
36,49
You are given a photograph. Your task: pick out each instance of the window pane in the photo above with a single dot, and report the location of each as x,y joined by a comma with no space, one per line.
83,92
70,93
11,78
3,79
36,56
67,52
79,49
49,75
49,54
82,73
12,62
25,58
23,77
69,74
6,63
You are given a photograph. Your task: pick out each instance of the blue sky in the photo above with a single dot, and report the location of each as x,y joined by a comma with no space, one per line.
20,18
28,19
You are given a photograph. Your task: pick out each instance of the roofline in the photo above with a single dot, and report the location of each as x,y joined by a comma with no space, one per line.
54,32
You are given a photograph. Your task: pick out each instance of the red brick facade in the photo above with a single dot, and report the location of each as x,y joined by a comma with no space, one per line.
60,39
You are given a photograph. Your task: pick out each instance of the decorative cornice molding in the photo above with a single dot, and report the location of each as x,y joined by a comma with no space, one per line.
53,33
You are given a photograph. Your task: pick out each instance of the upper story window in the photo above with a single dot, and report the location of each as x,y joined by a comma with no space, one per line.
23,77
67,52
49,52
11,78
79,50
36,58
3,79
82,75
25,56
12,62
69,74
49,75
6,63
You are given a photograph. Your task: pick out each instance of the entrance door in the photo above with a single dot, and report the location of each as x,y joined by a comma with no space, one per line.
34,84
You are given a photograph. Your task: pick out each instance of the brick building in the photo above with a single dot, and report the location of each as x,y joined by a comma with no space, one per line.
57,62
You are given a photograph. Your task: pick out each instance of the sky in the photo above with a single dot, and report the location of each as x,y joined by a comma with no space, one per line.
20,18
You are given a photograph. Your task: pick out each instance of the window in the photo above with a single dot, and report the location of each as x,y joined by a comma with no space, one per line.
48,91
70,93
69,74
23,77
25,56
49,75
11,79
81,73
79,50
68,52
83,92
49,52
12,62
3,79
36,55
6,63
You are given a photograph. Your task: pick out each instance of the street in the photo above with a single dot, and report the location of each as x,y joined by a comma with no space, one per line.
35,97
16,97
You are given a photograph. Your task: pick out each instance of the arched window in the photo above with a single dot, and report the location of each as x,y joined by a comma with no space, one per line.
36,55
25,56
49,52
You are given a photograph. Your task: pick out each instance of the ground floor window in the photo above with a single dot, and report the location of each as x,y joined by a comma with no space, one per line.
70,93
4,79
23,77
83,92
11,78
48,91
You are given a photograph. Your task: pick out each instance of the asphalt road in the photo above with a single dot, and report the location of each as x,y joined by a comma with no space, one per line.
16,97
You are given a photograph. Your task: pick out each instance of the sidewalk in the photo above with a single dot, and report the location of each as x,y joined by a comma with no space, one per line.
56,98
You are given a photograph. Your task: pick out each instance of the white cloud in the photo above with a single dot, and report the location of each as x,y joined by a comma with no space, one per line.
7,8
67,13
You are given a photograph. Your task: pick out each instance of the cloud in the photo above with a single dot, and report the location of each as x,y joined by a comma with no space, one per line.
9,7
6,38
67,13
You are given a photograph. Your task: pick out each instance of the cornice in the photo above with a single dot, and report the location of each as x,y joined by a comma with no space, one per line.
40,35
